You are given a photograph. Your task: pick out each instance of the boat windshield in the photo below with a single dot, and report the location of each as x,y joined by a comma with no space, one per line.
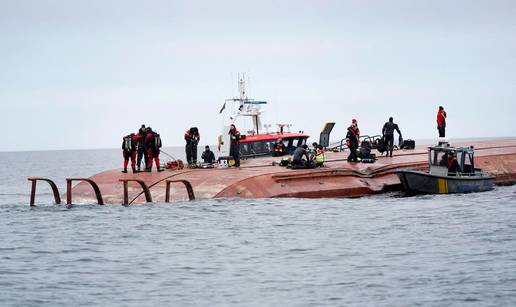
438,158
264,148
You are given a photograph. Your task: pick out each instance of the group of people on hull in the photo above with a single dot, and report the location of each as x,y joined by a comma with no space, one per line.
353,134
144,145
302,157
192,138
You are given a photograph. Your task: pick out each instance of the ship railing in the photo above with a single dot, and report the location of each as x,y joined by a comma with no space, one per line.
98,194
187,184
94,185
55,190
145,188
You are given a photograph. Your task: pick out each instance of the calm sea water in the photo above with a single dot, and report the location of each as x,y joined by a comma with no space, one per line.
373,251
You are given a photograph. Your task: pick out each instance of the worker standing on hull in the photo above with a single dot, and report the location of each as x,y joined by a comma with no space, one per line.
142,151
129,151
153,143
388,135
192,138
352,140
234,149
441,122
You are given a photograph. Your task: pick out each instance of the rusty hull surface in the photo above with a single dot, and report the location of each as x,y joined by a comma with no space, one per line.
258,178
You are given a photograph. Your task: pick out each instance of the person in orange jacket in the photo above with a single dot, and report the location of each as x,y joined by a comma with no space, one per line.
441,122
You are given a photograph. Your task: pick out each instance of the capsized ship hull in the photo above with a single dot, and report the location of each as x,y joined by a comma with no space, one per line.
259,178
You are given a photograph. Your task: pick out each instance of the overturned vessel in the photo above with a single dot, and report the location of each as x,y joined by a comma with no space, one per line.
260,176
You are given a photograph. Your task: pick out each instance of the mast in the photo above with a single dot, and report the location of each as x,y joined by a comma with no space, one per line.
247,107
241,87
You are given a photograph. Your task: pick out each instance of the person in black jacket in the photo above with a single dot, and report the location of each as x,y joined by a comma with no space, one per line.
142,149
208,156
192,138
234,148
388,135
297,157
353,140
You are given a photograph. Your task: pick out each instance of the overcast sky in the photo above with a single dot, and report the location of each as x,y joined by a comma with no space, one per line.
81,74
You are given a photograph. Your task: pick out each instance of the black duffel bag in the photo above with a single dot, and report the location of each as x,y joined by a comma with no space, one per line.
408,144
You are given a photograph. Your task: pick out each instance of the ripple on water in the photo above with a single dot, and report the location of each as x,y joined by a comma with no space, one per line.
380,250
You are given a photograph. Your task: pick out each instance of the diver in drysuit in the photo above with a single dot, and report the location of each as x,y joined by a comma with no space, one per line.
388,135
129,151
153,144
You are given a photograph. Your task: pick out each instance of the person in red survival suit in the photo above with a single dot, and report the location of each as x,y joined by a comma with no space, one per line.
441,122
129,151
153,143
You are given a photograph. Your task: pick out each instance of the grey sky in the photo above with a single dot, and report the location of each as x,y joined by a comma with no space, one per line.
81,74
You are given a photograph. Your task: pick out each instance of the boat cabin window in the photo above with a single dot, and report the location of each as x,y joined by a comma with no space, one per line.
262,148
301,142
256,148
438,158
468,166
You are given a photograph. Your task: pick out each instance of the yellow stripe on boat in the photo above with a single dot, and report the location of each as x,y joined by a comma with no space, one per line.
443,186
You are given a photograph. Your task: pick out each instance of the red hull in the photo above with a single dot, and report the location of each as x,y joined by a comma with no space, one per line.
257,178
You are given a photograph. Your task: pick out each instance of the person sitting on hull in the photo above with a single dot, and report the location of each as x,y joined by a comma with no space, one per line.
234,148
364,153
319,156
278,148
142,151
208,156
388,135
153,144
352,140
192,138
129,151
297,158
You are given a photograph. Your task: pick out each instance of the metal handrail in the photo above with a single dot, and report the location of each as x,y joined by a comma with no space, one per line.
188,185
146,191
94,185
55,190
